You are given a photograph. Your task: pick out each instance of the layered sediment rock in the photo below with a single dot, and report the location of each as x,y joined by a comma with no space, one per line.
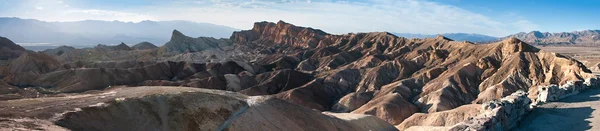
167,108
433,75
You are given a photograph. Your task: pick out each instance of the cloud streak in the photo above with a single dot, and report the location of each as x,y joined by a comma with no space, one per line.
334,16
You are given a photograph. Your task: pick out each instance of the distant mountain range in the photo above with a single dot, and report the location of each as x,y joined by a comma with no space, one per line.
88,33
39,35
575,38
454,36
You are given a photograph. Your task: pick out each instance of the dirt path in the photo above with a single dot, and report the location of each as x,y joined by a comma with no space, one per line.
575,113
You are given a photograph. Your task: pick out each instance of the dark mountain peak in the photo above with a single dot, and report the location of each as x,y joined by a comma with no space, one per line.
441,37
9,50
123,46
512,40
537,34
144,45
281,22
177,35
5,42
181,43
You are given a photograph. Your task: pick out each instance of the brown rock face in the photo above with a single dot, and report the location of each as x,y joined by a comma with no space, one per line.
407,75
280,34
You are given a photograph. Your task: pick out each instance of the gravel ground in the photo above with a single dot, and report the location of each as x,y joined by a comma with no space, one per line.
575,113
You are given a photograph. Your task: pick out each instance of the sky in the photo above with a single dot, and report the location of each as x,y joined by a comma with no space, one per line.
489,17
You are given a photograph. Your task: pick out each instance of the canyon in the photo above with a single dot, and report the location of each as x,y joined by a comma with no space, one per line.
278,76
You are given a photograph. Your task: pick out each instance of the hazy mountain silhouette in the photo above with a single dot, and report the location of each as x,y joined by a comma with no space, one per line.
574,38
454,36
93,32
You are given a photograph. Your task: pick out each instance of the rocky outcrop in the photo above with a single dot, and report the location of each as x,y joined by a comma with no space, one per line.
144,46
167,108
554,92
280,34
180,43
498,115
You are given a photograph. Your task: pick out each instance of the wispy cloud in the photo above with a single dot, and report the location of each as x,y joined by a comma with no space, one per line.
335,16
63,11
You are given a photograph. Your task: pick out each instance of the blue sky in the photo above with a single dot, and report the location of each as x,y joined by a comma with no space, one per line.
490,17
549,15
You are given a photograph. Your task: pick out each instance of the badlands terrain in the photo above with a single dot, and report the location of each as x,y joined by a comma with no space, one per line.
277,76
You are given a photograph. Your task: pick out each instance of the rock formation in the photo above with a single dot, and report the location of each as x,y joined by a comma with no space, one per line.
180,43
421,75
167,108
404,82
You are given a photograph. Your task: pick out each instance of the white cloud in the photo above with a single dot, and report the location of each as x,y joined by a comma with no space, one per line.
63,11
411,16
334,16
